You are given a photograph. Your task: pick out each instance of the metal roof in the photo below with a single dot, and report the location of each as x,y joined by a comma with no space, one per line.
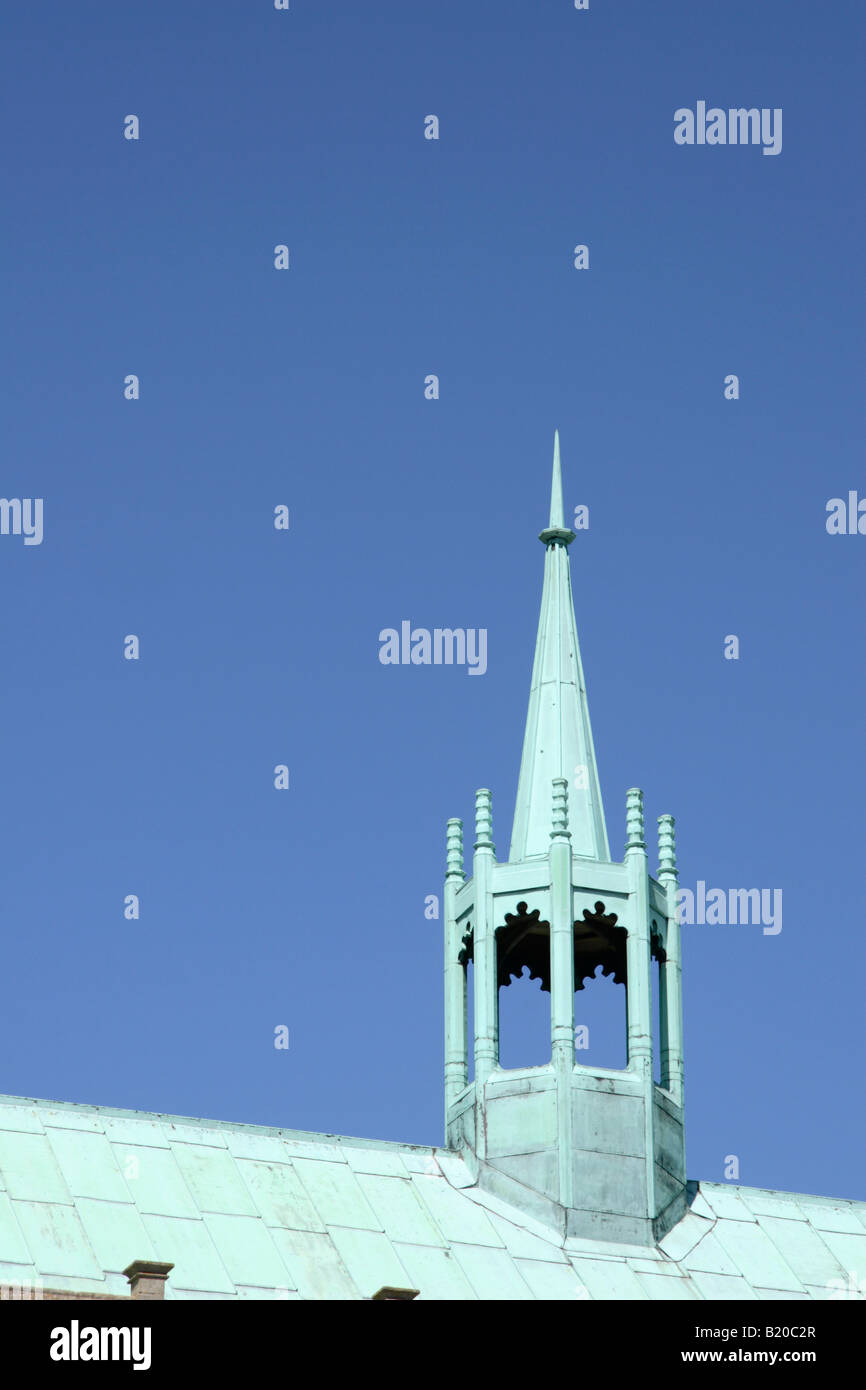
244,1211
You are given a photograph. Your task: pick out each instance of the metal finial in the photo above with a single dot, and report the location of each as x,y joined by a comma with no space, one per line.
483,820
454,849
667,846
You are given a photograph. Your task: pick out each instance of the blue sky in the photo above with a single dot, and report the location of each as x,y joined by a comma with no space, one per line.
306,388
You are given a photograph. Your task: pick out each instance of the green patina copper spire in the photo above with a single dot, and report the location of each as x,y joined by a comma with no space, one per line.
558,739
556,508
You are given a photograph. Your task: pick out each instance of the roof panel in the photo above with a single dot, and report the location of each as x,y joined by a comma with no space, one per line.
89,1164
213,1180
762,1203
755,1256
662,1286
434,1271
491,1272
185,1132
454,1169
400,1210
155,1181
30,1170
13,1248
382,1161
314,1264
723,1286
608,1278
279,1195
726,1202
115,1232
317,1150
188,1245
843,1218
551,1281
457,1219
14,1277
247,1251
267,1147
424,1163
850,1251
20,1117
56,1240
135,1129
709,1256
802,1249
583,1245
685,1236
699,1204
336,1195
522,1218
76,1117
527,1244
371,1260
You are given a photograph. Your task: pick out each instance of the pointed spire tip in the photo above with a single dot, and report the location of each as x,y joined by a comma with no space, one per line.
556,514
556,530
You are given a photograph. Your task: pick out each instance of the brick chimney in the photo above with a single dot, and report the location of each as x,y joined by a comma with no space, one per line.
147,1278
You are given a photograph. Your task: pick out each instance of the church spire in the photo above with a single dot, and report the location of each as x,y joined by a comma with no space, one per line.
596,1152
558,740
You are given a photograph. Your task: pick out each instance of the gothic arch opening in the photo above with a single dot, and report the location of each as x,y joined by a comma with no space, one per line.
600,1018
600,968
523,957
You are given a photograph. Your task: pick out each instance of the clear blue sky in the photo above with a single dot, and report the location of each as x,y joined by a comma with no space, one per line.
409,257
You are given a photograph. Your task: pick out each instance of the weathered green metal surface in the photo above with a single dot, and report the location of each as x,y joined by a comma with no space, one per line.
558,739
248,1212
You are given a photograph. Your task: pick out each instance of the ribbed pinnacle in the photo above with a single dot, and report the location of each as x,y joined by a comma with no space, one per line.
667,846
483,820
634,820
454,849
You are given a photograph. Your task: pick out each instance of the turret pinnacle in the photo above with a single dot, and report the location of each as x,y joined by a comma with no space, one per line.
558,739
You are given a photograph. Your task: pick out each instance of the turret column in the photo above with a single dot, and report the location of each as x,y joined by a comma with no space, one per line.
639,983
486,993
456,1053
671,1003
562,979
